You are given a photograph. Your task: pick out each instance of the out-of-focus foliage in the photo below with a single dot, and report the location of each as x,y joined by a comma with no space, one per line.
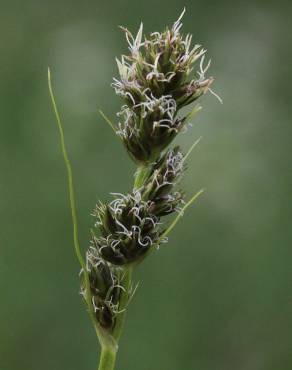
218,296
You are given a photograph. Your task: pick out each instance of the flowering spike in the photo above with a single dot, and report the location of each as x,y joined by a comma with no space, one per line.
155,83
161,74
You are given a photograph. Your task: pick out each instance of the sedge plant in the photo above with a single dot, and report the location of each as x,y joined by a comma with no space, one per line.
161,74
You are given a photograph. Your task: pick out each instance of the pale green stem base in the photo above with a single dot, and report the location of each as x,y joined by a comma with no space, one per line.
107,359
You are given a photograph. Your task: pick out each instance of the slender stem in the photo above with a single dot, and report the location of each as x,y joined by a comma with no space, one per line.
77,248
107,359
69,174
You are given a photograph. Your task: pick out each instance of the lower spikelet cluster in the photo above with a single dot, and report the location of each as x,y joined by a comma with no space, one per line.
131,224
129,227
156,80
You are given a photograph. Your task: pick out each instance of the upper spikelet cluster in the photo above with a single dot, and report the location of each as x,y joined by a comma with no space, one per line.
156,82
162,73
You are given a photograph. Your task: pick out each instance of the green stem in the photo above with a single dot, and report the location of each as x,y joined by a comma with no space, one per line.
107,359
73,206
69,174
104,338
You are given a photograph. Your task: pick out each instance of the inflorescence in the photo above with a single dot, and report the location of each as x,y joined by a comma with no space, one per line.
156,80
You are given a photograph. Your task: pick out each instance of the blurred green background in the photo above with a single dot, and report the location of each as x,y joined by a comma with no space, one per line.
218,296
